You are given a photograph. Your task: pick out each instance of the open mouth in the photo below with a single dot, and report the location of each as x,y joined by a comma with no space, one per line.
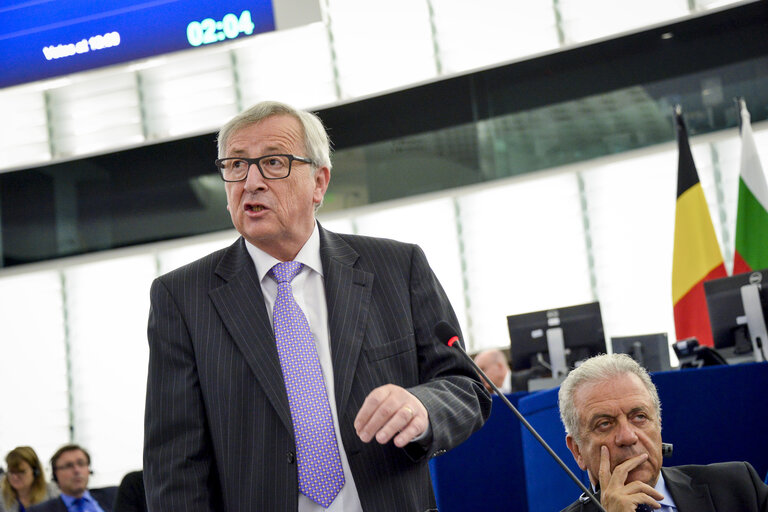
254,207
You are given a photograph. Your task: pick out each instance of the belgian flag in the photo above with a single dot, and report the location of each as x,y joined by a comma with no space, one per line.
697,257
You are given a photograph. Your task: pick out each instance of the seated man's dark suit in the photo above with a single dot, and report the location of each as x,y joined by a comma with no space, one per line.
218,432
722,487
104,496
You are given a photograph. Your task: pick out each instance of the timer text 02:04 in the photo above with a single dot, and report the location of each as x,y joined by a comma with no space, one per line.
211,31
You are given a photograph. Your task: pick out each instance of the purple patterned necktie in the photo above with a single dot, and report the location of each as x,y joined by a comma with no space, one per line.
320,474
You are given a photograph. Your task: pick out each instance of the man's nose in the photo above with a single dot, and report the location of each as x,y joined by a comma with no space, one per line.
254,180
625,434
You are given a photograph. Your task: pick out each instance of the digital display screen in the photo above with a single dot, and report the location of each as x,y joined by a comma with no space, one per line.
46,38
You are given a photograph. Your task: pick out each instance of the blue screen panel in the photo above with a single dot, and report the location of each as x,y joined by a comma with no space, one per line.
47,38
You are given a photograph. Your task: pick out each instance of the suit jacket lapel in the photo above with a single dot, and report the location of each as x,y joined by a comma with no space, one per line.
348,295
240,304
687,495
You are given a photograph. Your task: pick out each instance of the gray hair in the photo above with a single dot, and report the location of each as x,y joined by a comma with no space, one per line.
316,141
597,369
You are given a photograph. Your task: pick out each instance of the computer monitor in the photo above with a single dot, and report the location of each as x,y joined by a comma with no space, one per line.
650,350
737,314
559,338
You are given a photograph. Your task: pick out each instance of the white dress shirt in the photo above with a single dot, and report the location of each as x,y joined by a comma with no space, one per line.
506,386
309,292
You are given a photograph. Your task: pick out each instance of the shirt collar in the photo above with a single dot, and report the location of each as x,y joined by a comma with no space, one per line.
309,255
507,384
661,486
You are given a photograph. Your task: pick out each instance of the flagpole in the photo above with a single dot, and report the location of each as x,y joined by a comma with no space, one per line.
740,106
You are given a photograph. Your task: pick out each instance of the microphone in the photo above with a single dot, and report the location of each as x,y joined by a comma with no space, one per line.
450,337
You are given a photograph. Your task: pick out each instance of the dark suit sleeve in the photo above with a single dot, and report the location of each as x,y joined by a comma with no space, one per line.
52,505
105,496
449,388
131,496
761,489
177,452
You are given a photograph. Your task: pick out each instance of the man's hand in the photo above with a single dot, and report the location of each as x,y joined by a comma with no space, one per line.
615,495
390,411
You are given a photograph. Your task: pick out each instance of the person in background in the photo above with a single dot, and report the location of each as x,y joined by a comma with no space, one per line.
71,465
494,363
24,484
130,493
612,416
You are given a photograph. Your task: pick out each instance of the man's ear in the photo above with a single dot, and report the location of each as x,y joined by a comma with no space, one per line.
321,177
575,451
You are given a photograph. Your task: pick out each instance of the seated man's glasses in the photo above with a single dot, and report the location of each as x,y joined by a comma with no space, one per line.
271,167
71,465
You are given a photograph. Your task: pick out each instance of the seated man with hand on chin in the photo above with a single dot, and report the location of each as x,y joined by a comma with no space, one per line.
612,416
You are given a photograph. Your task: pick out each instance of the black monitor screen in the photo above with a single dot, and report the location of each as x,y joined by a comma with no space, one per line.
725,306
582,327
650,350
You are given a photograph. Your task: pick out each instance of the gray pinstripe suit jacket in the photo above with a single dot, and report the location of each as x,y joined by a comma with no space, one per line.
218,433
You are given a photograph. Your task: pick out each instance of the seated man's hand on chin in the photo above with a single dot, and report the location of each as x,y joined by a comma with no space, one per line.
618,496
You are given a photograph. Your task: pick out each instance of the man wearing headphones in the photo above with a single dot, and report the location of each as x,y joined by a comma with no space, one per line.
71,470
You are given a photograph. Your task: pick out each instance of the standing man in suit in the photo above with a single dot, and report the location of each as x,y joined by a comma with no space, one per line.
71,465
612,417
297,369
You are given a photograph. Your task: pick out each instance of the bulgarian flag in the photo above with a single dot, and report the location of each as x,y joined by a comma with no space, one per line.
752,217
696,257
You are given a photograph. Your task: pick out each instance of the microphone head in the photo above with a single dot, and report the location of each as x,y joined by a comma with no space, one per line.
445,332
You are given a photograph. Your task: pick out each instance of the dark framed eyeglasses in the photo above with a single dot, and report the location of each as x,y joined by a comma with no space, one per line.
271,167
69,466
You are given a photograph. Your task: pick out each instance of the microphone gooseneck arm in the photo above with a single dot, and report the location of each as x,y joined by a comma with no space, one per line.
445,332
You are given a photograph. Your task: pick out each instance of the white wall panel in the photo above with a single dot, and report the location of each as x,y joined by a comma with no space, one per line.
381,45
24,135
584,20
525,250
293,66
97,111
485,32
189,93
631,208
107,304
33,367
